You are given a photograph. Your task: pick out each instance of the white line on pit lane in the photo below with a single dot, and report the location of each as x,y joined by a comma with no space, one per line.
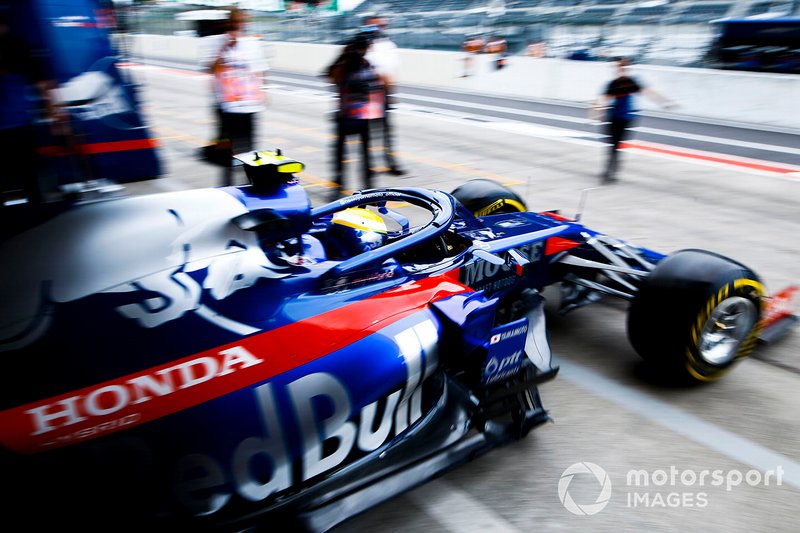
705,433
579,120
457,511
506,126
579,137
719,140
448,115
497,109
543,132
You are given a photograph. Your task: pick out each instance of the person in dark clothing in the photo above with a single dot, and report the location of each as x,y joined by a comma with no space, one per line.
618,103
360,91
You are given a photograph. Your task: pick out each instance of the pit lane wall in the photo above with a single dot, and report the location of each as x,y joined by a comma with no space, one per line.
754,99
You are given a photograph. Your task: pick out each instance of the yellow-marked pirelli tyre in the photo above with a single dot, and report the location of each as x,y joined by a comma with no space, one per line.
696,315
486,197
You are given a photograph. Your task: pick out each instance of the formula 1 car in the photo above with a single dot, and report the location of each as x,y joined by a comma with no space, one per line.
233,359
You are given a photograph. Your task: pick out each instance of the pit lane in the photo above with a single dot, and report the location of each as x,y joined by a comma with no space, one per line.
607,410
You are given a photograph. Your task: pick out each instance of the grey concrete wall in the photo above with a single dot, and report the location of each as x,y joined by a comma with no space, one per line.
756,99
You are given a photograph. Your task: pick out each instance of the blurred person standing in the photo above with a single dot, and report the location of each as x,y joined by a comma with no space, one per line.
361,95
617,102
27,95
384,56
238,67
471,47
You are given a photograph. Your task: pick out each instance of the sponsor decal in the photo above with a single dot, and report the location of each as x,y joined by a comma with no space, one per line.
160,391
204,485
499,204
319,408
115,405
350,282
482,275
482,234
308,426
75,21
500,369
512,223
506,352
185,237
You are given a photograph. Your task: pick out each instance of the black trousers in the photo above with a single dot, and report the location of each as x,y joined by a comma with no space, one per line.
344,129
388,138
617,131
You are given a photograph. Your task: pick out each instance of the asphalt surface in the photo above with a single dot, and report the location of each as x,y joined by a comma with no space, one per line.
607,410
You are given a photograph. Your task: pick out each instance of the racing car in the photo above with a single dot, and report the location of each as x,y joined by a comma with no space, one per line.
234,359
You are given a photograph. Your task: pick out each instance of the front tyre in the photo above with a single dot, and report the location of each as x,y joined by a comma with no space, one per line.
696,315
486,197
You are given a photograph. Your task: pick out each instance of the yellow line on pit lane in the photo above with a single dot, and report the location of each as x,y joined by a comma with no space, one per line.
459,167
182,116
463,168
168,133
316,181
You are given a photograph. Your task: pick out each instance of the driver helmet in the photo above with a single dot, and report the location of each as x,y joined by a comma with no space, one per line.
354,231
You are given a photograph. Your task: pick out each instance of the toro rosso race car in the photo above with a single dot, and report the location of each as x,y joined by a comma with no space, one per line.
232,358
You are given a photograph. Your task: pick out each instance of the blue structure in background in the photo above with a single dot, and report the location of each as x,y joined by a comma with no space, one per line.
758,44
111,140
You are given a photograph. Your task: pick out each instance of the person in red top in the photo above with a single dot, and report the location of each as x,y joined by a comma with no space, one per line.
361,103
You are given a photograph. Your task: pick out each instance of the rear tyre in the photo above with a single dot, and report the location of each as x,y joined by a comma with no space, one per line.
486,197
696,315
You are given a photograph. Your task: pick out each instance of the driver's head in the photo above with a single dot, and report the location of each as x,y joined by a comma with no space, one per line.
354,231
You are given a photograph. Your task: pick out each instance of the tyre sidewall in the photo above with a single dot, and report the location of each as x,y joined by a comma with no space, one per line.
483,197
673,306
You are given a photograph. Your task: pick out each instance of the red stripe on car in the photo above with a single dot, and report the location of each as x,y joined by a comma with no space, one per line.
559,244
156,392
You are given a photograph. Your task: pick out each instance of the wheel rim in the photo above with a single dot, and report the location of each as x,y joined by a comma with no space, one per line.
729,324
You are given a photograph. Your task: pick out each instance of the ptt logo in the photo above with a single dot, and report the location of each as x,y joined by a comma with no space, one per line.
498,369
